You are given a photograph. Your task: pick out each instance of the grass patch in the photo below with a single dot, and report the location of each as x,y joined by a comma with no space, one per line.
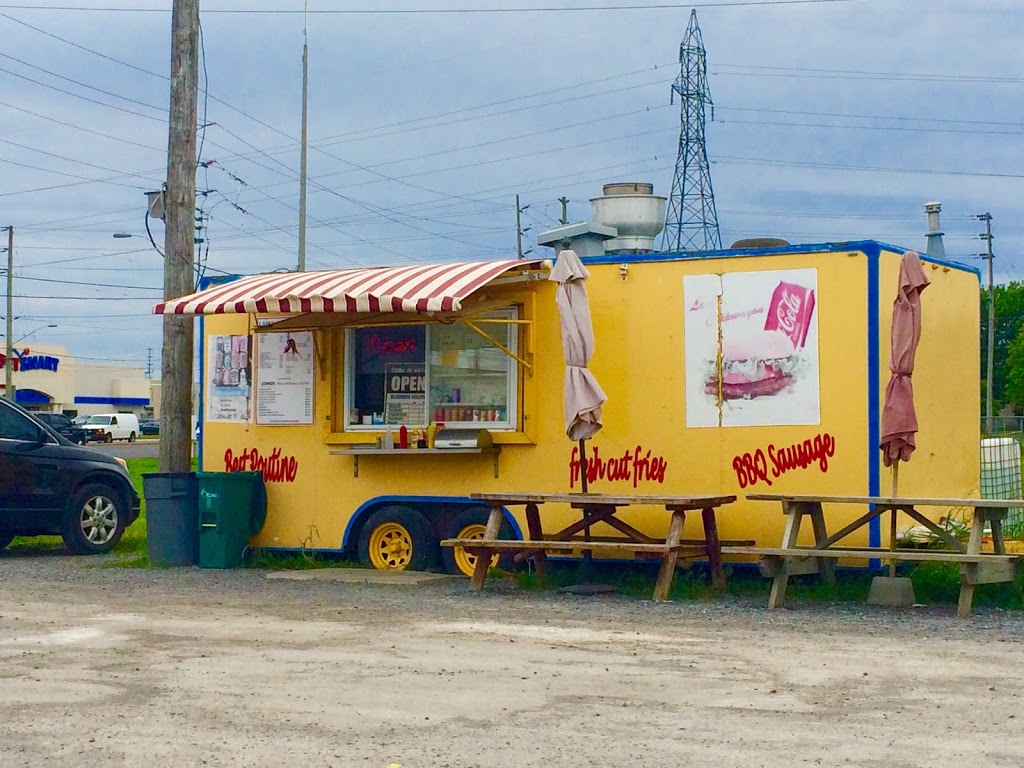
301,560
934,584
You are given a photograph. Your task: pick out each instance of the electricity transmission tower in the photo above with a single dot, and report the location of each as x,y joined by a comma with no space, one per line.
692,222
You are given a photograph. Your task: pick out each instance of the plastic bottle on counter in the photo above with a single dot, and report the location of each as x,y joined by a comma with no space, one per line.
431,434
389,440
403,437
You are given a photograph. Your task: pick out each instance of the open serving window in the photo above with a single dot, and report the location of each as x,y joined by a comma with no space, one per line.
460,373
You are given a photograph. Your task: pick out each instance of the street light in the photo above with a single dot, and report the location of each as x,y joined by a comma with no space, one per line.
127,235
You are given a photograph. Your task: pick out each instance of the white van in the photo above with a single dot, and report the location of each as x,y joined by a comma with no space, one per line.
108,427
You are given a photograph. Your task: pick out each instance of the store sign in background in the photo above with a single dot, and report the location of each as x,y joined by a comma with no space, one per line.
26,361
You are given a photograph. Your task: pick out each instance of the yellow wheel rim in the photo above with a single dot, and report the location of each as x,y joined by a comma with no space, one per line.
463,559
390,547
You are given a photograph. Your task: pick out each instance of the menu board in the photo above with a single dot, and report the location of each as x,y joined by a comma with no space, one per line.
405,396
284,378
228,377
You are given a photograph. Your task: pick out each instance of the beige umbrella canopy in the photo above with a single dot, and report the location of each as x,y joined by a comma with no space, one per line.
583,395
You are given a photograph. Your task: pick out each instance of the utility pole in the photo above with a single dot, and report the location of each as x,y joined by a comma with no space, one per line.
305,149
565,209
990,365
179,245
519,228
9,362
149,362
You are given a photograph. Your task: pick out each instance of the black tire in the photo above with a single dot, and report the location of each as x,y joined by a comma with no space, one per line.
108,438
5,539
131,438
94,520
424,542
475,516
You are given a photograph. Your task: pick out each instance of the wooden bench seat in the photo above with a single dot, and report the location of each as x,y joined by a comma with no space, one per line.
475,545
867,553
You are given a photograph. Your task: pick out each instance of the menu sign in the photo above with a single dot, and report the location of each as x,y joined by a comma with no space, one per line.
284,378
227,377
405,396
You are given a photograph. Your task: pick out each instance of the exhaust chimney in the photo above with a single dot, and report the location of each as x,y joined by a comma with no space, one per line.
933,237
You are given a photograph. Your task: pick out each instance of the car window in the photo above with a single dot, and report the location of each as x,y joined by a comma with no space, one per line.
100,420
14,426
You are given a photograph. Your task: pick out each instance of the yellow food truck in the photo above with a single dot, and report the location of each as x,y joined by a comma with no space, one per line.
375,401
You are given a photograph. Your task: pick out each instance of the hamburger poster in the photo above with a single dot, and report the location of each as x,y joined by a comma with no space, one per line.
752,349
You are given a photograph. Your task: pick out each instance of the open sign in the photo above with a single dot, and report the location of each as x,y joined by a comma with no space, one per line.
405,379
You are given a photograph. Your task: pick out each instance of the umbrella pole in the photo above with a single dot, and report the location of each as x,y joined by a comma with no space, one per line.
892,519
588,555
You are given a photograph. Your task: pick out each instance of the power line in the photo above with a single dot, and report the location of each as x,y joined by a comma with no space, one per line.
93,285
83,85
439,11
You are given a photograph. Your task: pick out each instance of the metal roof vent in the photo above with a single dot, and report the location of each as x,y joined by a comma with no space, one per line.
636,213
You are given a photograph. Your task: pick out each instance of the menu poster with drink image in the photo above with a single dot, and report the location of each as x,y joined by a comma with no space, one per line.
767,373
285,374
229,376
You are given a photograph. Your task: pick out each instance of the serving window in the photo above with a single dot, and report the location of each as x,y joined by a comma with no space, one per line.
418,374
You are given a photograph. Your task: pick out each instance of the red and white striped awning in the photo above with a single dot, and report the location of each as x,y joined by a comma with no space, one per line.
416,289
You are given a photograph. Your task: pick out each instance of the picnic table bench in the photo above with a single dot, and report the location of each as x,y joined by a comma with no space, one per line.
599,508
976,567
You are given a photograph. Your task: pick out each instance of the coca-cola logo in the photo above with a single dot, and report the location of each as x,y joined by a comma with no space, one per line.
788,311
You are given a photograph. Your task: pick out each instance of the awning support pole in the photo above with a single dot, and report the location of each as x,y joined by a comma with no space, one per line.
472,326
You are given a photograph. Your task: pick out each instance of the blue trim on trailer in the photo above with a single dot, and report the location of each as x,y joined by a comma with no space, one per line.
202,381
462,500
867,246
874,405
205,283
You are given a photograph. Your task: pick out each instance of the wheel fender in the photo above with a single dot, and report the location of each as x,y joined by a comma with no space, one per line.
351,534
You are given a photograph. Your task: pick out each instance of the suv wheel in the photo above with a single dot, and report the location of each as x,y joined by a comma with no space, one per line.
94,521
108,438
131,438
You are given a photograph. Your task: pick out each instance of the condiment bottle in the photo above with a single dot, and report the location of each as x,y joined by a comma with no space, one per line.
431,434
389,440
403,437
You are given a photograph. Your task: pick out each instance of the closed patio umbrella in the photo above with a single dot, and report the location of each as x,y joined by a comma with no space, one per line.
583,395
899,420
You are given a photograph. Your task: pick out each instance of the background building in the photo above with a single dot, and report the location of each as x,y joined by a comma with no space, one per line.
47,378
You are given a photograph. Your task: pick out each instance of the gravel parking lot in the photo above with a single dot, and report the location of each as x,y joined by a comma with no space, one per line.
109,666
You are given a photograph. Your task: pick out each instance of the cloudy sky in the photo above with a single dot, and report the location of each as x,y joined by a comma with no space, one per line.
833,120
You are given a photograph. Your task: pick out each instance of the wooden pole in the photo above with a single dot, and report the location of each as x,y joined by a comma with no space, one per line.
9,362
179,244
305,143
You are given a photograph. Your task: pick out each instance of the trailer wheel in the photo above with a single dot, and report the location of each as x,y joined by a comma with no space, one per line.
398,538
471,523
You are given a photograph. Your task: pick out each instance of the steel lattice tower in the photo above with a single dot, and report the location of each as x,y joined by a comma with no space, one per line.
692,222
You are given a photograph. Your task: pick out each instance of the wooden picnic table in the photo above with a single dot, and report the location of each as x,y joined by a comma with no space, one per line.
599,508
976,567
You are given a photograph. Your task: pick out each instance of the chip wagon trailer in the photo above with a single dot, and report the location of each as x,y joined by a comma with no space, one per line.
728,372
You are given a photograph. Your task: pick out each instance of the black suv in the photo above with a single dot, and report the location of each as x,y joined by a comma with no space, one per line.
61,424
50,486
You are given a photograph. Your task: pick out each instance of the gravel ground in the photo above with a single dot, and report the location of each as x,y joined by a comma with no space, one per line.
107,666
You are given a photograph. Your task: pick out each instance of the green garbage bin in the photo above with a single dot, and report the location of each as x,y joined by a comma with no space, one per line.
172,536
232,507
